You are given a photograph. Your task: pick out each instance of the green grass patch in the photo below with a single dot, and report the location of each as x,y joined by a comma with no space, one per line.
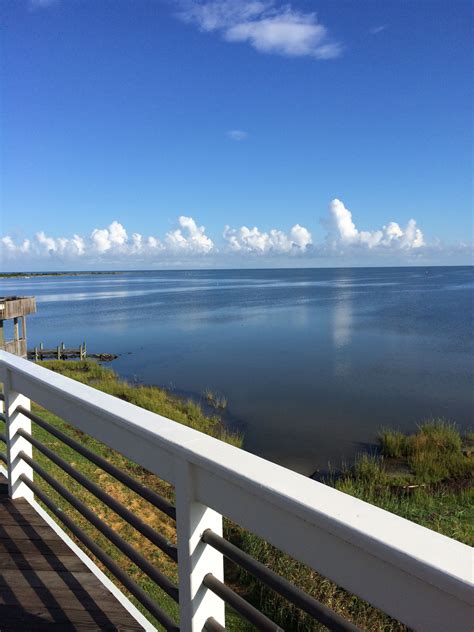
425,477
433,454
215,399
151,398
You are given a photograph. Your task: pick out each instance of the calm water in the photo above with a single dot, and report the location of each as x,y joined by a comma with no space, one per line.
312,362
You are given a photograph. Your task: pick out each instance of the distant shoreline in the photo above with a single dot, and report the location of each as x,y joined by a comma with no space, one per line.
25,275
17,275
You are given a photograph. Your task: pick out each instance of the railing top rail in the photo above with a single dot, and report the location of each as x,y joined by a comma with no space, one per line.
289,500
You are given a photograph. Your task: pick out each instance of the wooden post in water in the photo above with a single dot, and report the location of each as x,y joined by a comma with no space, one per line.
16,335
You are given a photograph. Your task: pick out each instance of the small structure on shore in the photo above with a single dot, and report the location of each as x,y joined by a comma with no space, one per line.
15,308
61,352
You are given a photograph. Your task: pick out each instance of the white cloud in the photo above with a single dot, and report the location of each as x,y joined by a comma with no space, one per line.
111,243
377,29
74,246
237,134
267,26
104,239
188,244
252,240
343,232
189,238
10,248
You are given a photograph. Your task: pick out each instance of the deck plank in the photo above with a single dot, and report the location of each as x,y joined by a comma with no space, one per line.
44,585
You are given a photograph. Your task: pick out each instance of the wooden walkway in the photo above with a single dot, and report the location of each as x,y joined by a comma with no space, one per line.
43,584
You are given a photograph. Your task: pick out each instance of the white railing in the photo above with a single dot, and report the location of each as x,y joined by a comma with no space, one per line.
417,576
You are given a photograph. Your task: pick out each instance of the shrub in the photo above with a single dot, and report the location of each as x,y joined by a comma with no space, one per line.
392,443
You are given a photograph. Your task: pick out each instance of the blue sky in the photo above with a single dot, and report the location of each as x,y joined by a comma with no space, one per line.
311,133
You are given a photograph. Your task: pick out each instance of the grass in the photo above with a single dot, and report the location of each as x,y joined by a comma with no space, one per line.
151,398
425,477
215,400
433,454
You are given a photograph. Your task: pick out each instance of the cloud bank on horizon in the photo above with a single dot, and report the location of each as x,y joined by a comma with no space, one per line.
189,243
267,26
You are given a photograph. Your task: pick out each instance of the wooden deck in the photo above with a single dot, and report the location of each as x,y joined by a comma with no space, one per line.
43,584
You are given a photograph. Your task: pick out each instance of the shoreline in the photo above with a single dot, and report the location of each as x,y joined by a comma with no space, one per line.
28,275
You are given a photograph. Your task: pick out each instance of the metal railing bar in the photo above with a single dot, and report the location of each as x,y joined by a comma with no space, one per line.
3,457
259,620
212,625
106,560
3,437
152,497
137,558
300,599
154,537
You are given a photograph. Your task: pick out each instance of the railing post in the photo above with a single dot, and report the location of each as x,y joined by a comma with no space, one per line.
16,444
195,559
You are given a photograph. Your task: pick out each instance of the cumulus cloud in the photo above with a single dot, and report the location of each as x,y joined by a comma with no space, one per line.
189,238
188,244
10,247
103,239
267,26
343,232
110,243
253,240
237,134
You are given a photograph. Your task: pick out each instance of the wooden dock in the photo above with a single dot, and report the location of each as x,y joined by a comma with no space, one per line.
62,353
58,353
43,584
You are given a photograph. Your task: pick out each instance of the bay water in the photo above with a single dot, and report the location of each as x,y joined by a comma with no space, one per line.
312,362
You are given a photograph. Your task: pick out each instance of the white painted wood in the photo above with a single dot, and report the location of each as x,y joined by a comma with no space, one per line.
14,420
418,576
196,559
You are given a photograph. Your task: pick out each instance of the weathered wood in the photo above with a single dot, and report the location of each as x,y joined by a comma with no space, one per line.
37,596
14,306
10,561
59,619
62,353
37,546
43,584
84,579
16,532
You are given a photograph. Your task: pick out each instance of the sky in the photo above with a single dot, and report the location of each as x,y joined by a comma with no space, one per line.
235,133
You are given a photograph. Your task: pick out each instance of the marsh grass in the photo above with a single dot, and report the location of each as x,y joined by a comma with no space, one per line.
151,398
432,454
432,458
215,399
392,442
425,477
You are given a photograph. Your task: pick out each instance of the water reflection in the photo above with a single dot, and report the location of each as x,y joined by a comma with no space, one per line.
342,323
303,356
